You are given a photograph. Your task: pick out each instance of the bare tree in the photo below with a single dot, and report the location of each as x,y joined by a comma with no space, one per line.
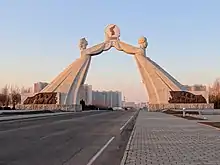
15,96
2,99
5,96
216,87
214,93
5,90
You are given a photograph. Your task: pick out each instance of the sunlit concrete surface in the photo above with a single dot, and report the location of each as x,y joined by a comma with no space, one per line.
161,139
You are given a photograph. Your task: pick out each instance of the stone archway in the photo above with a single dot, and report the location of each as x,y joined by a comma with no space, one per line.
161,87
157,82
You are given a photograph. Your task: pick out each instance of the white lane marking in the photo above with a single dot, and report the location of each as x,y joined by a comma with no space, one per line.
126,123
100,151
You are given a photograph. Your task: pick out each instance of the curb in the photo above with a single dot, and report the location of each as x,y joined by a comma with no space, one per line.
128,145
133,119
209,126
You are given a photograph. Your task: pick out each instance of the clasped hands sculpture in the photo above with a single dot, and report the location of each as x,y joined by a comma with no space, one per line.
116,43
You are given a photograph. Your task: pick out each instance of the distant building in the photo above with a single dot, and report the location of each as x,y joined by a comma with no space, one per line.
85,93
98,98
26,92
107,98
196,87
39,86
129,104
134,105
142,105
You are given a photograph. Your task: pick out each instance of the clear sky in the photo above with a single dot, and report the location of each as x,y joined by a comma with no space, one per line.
39,38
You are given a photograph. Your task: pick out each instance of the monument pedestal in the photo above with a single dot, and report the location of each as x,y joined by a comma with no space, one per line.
52,107
160,107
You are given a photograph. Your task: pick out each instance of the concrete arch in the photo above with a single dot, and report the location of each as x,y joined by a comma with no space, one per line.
156,80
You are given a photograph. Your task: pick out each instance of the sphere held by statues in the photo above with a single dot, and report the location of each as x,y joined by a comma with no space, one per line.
112,31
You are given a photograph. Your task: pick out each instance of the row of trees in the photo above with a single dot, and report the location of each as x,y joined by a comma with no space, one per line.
10,96
214,94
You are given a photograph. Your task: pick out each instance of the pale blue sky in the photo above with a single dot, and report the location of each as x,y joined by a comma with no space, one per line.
39,38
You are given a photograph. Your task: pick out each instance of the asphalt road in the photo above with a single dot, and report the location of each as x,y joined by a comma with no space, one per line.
73,139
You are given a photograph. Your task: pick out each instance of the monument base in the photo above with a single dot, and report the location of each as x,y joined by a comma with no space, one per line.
160,107
52,107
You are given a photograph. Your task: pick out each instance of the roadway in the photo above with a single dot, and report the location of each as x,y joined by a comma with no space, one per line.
73,139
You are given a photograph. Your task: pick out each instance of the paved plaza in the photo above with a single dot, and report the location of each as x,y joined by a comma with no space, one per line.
161,139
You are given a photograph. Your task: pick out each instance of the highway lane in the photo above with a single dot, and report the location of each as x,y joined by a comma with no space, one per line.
67,139
23,123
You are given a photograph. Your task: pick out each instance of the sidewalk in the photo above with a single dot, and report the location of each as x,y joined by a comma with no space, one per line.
161,139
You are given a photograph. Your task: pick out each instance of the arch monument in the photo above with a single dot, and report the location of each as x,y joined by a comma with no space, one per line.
162,88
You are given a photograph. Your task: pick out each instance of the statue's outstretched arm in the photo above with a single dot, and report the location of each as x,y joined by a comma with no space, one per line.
94,50
122,46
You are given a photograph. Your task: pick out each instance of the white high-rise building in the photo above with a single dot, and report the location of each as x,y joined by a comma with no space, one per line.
39,86
98,98
129,104
25,93
107,98
85,93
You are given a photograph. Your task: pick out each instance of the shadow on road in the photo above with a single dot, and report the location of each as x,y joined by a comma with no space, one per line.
115,152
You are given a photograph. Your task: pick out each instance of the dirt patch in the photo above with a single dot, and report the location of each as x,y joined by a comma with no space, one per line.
172,112
213,124
189,117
